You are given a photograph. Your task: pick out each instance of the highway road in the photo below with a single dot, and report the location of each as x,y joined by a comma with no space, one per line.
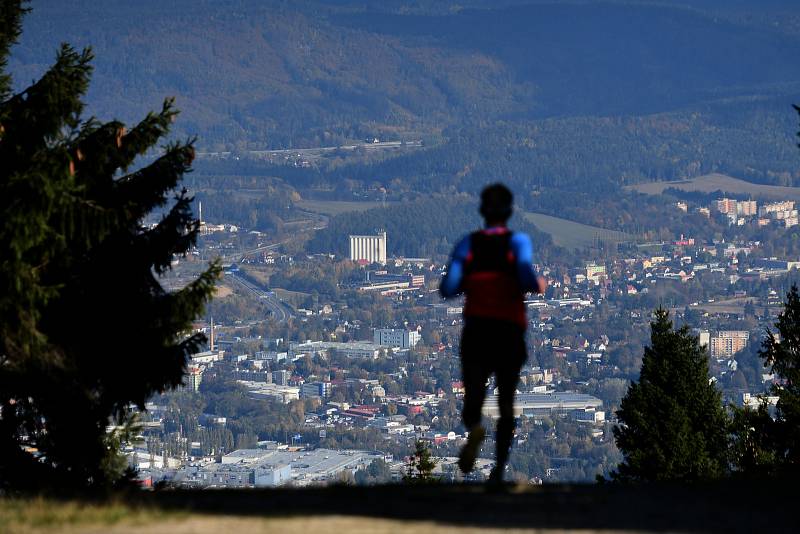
236,257
278,309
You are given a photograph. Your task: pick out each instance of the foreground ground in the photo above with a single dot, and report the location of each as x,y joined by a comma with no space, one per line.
73,517
728,507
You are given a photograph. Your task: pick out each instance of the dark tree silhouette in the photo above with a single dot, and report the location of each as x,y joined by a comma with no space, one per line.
782,353
753,448
760,444
672,423
86,330
421,465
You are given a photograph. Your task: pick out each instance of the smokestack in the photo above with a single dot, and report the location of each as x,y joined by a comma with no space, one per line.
211,338
200,209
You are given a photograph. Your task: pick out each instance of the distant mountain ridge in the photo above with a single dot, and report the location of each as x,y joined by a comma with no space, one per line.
249,73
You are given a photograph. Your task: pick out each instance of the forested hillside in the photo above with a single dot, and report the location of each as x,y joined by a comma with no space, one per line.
566,102
252,73
593,154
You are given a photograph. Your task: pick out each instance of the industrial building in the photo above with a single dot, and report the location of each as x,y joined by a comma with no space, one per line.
266,391
545,404
368,248
247,468
352,349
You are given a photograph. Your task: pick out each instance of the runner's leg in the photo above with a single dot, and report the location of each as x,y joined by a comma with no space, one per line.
507,376
475,373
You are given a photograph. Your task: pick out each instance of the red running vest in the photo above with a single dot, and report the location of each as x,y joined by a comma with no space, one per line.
490,278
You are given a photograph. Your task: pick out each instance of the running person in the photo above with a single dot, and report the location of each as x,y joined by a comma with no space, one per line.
494,269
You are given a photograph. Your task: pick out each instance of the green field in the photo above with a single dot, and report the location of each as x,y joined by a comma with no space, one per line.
734,305
571,234
336,207
720,182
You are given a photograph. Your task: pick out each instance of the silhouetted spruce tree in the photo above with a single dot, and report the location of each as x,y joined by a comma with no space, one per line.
421,465
782,353
672,423
761,445
753,448
86,330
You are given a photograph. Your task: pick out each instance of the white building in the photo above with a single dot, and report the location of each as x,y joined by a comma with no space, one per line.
704,337
316,389
209,356
369,248
396,337
270,356
268,475
351,349
142,459
195,377
262,390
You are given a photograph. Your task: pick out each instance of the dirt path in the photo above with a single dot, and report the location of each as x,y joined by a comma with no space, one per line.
227,525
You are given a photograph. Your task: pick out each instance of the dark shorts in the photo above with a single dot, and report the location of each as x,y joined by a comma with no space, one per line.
490,347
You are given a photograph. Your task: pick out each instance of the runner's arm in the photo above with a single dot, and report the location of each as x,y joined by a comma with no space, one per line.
530,281
451,281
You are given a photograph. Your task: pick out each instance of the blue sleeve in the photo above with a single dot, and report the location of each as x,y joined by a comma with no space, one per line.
522,246
451,281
